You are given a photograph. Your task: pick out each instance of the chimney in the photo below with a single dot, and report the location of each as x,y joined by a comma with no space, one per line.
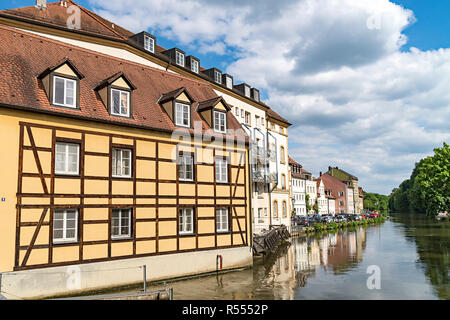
329,168
320,173
41,4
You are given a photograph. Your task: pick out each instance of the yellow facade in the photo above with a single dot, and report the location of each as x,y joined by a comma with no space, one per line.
32,191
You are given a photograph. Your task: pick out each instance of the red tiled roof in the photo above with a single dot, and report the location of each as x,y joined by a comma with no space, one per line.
333,184
24,56
56,16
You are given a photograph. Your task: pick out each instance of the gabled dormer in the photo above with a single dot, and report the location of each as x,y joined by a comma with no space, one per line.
176,55
214,111
62,84
177,104
215,74
115,93
145,40
244,88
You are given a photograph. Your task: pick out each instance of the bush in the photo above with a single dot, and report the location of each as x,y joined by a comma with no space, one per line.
319,227
332,226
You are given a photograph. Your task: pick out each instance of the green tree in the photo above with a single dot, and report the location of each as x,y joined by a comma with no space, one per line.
428,188
431,185
308,206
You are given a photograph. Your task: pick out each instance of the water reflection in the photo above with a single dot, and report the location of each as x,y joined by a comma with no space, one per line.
411,252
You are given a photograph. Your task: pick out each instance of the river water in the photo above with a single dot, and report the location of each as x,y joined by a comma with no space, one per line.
409,254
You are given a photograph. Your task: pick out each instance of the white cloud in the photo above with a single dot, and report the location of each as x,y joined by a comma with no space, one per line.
332,67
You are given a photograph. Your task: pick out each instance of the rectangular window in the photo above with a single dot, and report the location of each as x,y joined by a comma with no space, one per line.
229,83
121,163
185,168
275,209
67,158
218,77
149,44
242,113
194,66
341,194
182,115
282,156
64,92
283,181
120,103
220,122
222,222
256,95
237,112
248,120
65,225
186,221
247,91
180,58
121,223
221,170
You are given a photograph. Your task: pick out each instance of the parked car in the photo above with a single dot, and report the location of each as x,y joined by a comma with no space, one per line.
341,218
358,217
373,215
304,221
327,219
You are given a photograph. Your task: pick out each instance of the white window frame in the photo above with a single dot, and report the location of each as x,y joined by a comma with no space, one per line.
182,226
113,155
66,159
179,56
74,105
195,66
220,163
218,77
182,164
65,239
149,43
229,82
120,102
220,214
247,91
122,236
222,117
184,108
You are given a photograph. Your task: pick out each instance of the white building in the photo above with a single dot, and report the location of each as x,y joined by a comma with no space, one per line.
311,191
322,201
350,202
279,194
298,188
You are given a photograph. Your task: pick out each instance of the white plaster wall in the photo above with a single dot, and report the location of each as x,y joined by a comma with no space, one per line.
46,282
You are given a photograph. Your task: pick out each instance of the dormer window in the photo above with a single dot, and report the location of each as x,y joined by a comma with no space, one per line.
194,66
220,122
62,84
115,93
182,115
149,44
64,92
179,58
228,81
214,112
120,102
247,91
218,76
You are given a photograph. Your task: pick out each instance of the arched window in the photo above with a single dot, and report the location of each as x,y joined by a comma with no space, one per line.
284,209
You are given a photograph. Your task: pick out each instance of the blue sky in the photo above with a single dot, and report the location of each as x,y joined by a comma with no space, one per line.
371,100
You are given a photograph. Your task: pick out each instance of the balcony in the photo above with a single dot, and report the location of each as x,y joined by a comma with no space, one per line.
258,176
